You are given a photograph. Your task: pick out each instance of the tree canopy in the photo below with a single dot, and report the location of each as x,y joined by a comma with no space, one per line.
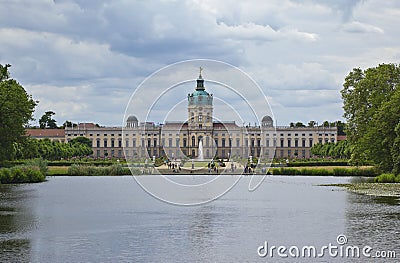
371,103
68,123
82,140
339,150
16,109
47,121
49,150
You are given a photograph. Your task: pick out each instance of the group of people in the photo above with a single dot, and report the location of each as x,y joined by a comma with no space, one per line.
175,167
247,170
212,167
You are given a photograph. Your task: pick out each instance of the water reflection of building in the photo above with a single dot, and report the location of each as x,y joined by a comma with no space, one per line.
223,139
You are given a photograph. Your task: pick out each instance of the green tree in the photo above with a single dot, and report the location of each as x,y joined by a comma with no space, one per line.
49,150
312,123
82,140
68,123
4,74
341,126
339,150
16,109
47,121
371,103
299,124
396,151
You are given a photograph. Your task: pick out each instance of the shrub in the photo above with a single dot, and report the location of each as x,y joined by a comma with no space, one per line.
318,163
90,170
39,162
18,175
85,161
338,171
6,177
387,178
33,172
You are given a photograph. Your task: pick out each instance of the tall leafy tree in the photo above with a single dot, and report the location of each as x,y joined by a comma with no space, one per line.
340,127
47,121
371,103
16,109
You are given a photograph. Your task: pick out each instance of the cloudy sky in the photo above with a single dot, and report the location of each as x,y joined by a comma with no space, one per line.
84,58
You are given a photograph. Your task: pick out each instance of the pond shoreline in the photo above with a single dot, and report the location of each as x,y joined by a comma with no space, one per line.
372,189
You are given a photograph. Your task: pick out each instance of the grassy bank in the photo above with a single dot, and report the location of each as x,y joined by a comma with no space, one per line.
326,171
90,170
58,170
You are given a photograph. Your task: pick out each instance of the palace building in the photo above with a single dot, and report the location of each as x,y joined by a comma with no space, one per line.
201,135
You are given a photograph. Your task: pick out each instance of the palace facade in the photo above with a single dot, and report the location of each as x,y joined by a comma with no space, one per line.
202,133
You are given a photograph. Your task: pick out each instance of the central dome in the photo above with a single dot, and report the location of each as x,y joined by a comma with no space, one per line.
200,96
200,93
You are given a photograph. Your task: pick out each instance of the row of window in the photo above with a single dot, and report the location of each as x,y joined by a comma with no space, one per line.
253,143
215,134
222,153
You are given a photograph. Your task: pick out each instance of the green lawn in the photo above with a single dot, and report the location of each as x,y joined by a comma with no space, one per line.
58,170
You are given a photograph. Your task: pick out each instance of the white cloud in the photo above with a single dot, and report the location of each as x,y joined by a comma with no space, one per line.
358,27
255,32
248,31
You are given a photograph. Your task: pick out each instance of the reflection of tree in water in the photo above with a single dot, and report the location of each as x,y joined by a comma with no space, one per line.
16,220
373,221
208,233
201,230
15,250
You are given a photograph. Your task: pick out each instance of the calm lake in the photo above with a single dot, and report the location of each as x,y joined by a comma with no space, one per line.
111,219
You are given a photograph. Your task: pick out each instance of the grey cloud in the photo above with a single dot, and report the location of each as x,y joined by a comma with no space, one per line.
298,51
344,7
